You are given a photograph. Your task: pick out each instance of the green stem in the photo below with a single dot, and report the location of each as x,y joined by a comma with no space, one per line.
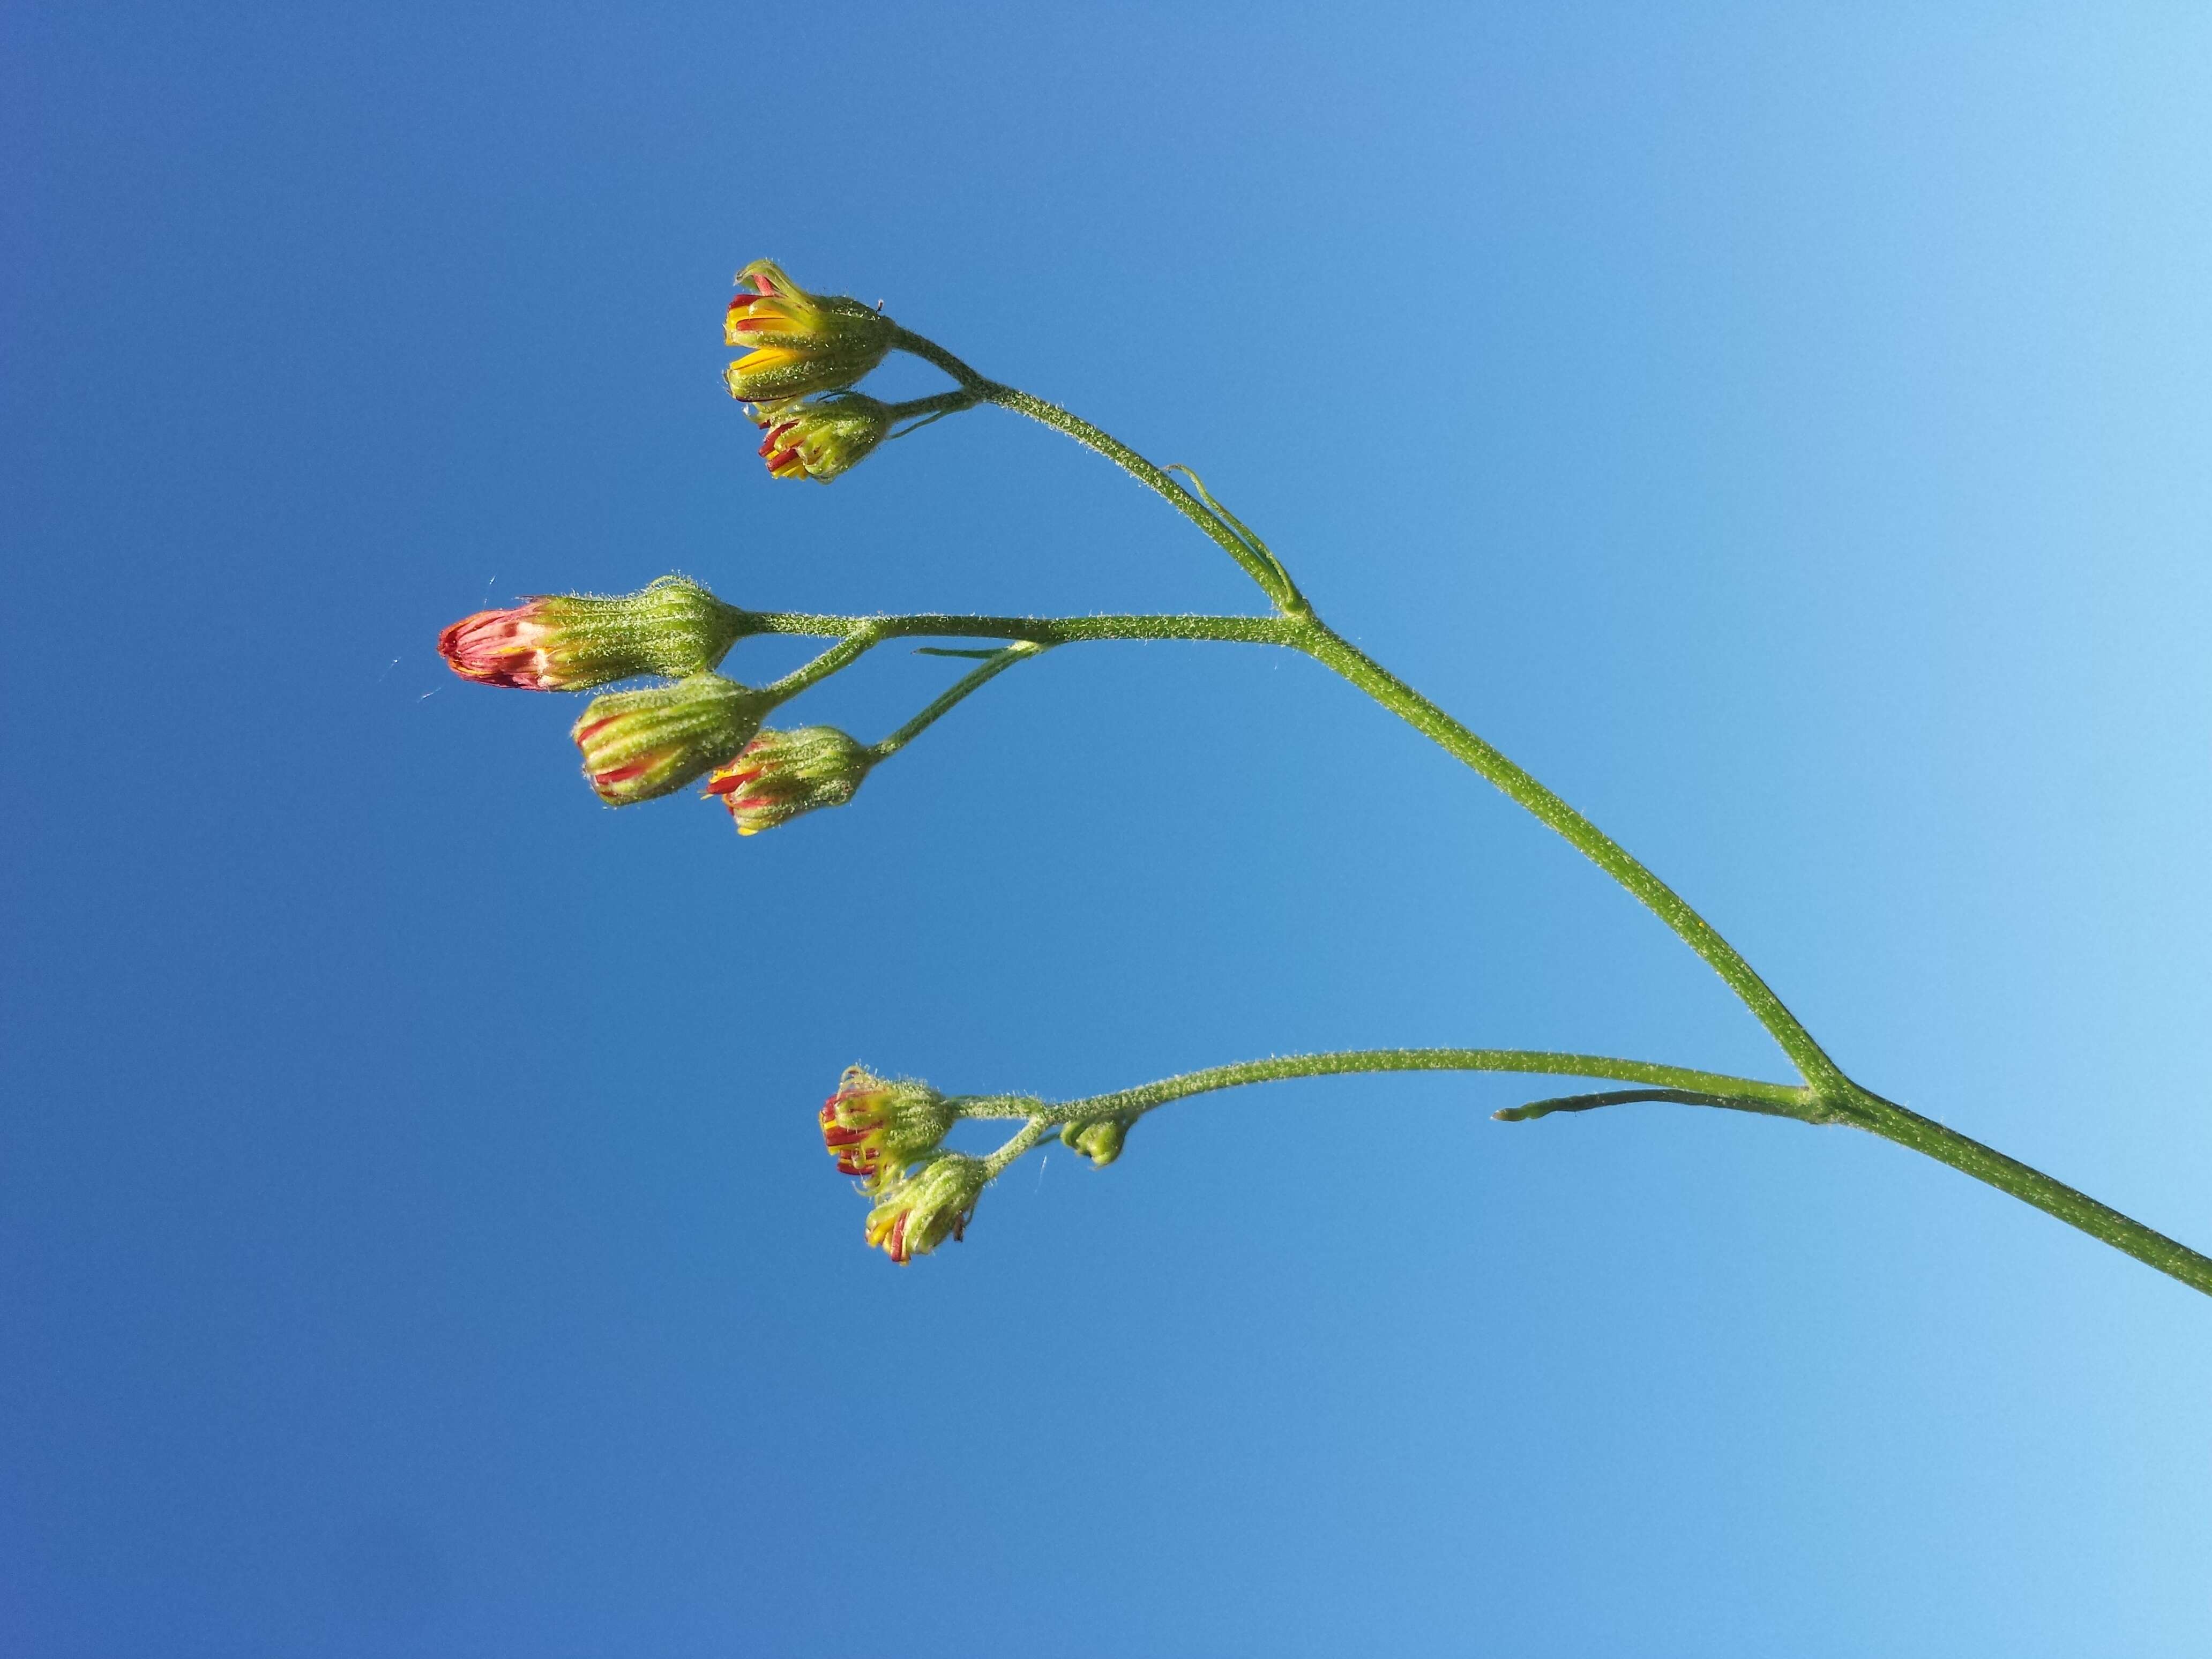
2008,1174
1032,1132
1038,630
1536,1109
1306,633
1790,1101
1273,581
1330,649
1678,1084
1831,1095
1000,662
1333,651
931,409
856,642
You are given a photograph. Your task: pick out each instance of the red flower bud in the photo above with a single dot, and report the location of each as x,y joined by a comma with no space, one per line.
573,641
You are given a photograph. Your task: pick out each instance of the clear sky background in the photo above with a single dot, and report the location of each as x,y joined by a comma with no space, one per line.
1785,429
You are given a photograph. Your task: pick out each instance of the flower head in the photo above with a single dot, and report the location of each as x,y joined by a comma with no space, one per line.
573,641
820,438
801,342
781,775
935,1203
638,745
1100,1140
875,1126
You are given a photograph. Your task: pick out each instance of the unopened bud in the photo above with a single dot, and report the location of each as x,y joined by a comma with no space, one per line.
876,1128
783,774
1100,1140
821,437
936,1202
574,641
801,342
638,745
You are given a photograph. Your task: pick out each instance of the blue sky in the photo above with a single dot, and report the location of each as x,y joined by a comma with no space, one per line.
1784,432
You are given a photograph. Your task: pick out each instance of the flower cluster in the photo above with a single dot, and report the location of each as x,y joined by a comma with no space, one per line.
574,641
781,775
807,351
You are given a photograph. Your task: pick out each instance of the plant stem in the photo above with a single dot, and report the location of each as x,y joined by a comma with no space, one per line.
1038,630
1864,1110
1790,1101
1306,633
2008,1174
1333,651
1032,1132
1828,1096
1312,637
1000,662
1272,581
855,643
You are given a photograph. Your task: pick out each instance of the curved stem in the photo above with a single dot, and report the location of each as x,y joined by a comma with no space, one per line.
1330,649
1829,1097
856,643
1273,579
1032,1132
1789,1102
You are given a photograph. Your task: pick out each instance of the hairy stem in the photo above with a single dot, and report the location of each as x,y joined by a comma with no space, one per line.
2008,1174
855,644
1788,1101
1032,1132
1273,581
1310,635
1038,630
1333,651
999,663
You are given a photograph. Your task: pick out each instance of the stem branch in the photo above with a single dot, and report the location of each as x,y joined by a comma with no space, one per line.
1333,651
1000,662
1273,579
1782,1098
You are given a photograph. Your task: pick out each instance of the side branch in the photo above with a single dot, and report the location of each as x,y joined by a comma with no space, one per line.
1263,568
1038,630
1778,1098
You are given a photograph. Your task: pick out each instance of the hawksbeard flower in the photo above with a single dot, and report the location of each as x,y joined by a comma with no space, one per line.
801,342
935,1203
638,745
876,1128
574,641
781,775
820,438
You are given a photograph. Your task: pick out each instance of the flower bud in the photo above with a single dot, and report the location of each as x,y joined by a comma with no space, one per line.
783,774
935,1203
821,437
638,745
1100,1140
801,342
876,1128
574,641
